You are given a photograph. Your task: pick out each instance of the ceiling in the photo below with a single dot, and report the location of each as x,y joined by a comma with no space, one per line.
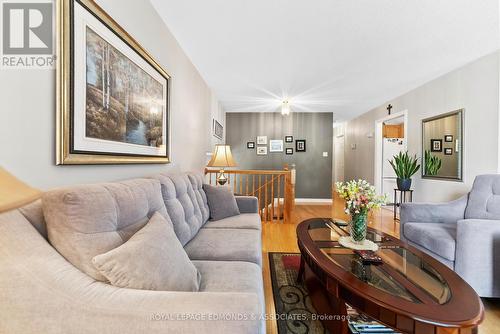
338,56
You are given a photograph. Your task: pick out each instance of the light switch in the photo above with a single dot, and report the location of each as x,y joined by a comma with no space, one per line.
325,154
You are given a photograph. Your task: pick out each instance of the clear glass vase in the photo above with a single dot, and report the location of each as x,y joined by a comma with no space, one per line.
358,227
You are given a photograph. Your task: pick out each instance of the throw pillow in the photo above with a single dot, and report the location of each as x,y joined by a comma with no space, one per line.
152,259
221,202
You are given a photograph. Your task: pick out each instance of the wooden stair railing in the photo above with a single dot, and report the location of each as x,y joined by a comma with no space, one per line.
273,188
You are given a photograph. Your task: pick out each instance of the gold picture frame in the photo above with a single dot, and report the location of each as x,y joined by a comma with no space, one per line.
65,153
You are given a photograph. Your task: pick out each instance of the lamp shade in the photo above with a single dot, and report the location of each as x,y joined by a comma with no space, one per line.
14,193
222,157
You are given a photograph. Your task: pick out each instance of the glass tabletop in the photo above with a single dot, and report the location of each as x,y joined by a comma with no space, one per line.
401,272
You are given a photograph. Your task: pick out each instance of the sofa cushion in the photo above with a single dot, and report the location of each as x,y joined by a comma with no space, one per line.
484,198
439,238
201,198
221,202
217,244
152,259
244,220
87,220
182,205
229,276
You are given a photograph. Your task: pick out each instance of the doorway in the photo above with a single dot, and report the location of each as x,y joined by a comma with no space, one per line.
391,135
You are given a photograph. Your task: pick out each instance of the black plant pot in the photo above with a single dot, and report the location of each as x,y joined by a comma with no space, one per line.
404,184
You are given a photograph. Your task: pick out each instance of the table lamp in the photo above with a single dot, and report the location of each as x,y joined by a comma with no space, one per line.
14,193
222,158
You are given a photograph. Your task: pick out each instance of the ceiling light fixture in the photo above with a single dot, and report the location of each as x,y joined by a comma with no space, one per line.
285,108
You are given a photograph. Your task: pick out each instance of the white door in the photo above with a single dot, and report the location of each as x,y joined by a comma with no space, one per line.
339,159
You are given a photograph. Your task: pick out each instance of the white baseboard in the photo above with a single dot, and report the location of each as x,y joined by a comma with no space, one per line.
313,201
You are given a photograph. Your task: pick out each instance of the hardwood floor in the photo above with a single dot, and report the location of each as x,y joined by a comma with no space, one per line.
278,237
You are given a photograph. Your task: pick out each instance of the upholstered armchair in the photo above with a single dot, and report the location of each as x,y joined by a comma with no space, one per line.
463,234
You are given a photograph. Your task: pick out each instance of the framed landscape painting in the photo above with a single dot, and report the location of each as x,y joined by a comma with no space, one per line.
112,95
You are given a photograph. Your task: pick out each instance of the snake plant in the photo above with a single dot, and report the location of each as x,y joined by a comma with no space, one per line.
432,164
404,165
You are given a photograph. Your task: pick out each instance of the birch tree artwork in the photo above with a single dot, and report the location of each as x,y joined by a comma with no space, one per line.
123,102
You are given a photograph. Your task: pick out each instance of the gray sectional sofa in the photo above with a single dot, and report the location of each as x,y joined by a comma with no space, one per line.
43,292
463,234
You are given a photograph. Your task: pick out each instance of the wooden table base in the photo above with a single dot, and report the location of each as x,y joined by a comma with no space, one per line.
332,311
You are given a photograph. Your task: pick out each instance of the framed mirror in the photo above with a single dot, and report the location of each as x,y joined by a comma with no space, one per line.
442,146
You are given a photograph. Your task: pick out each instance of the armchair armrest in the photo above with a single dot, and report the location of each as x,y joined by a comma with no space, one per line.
247,204
43,293
477,255
449,212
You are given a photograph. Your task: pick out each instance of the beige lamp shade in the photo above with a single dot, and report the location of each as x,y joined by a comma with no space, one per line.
14,193
222,157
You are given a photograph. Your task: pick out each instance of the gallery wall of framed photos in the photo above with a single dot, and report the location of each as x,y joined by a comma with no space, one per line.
268,141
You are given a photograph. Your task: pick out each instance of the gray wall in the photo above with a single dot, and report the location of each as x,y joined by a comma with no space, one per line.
314,172
27,113
474,87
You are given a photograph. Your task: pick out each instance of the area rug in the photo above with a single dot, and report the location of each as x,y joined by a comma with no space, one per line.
294,311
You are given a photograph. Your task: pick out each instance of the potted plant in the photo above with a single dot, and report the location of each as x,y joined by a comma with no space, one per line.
405,166
360,197
432,164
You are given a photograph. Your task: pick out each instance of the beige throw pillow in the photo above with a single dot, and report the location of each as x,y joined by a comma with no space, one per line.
152,259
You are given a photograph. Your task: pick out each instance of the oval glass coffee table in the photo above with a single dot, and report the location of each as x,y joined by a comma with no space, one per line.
410,291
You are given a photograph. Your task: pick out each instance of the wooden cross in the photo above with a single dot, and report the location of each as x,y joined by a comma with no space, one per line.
389,107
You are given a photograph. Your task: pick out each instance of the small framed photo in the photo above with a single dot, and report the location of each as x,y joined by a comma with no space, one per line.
448,151
436,145
261,150
217,129
261,140
300,145
288,139
448,139
251,144
276,145
289,151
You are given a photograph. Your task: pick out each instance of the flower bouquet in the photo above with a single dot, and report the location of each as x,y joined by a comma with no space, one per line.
360,197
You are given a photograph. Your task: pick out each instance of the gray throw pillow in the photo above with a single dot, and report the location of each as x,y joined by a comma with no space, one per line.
221,202
152,259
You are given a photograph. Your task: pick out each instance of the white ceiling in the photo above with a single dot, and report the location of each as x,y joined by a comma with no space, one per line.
340,56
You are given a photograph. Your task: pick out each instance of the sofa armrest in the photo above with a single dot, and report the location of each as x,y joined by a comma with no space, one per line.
247,204
477,255
43,293
449,212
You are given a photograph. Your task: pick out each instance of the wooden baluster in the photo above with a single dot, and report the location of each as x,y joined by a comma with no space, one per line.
241,184
246,192
259,197
272,199
279,197
253,185
209,178
266,211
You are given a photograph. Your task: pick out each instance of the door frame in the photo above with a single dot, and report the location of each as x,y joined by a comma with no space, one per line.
378,144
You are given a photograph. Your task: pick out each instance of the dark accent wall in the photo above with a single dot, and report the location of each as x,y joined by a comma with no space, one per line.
314,172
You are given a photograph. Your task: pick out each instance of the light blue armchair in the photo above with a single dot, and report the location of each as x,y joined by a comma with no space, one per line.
463,234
